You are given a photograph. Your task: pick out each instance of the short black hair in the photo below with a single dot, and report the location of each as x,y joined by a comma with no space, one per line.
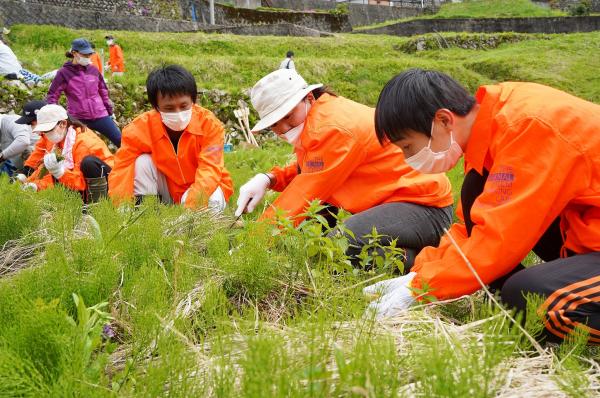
169,81
289,54
410,100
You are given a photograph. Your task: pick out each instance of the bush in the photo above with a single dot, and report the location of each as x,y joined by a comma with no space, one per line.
340,9
19,214
584,7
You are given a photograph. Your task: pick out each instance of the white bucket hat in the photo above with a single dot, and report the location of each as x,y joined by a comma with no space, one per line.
276,94
48,116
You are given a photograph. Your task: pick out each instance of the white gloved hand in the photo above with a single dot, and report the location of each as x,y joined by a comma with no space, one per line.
217,202
396,296
184,196
29,186
22,178
54,167
251,193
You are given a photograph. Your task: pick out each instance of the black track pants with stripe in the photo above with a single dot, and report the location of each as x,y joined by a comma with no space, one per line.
570,286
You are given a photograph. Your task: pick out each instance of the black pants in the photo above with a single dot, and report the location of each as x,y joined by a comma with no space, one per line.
570,286
92,167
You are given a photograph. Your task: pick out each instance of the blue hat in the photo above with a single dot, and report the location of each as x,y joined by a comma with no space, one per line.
82,46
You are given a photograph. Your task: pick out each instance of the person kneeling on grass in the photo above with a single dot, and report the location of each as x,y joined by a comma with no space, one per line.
75,156
532,182
16,143
174,151
340,162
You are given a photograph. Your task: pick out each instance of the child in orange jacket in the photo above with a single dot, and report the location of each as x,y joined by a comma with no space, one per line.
532,182
340,163
174,151
75,156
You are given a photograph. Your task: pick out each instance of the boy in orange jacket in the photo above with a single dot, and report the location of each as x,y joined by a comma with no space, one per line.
532,182
175,150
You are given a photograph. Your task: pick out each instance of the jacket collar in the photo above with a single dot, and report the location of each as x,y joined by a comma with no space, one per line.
481,132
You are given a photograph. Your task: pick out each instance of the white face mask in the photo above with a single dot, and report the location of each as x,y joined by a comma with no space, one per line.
56,136
293,135
109,42
429,162
177,121
84,61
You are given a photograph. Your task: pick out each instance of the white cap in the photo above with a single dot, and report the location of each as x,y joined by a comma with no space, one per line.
276,94
48,116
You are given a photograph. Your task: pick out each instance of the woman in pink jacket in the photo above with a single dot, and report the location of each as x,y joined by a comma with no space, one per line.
86,92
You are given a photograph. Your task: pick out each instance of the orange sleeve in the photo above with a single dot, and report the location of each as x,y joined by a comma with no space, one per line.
283,176
211,172
529,184
120,180
341,155
42,183
36,157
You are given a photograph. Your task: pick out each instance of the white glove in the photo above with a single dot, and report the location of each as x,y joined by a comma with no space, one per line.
251,193
396,296
184,196
29,186
54,167
22,178
217,201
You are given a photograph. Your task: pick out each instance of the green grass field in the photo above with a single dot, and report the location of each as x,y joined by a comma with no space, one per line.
194,308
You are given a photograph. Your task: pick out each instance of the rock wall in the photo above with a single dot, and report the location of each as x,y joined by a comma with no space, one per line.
225,15
364,14
491,25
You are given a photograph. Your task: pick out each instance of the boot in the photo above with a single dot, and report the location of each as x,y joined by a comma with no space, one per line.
97,188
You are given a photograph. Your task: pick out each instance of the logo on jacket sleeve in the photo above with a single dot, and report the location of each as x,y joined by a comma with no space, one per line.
313,164
500,184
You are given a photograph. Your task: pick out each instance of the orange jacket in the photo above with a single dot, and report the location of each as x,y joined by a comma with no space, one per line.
540,146
198,163
115,59
97,62
343,164
86,143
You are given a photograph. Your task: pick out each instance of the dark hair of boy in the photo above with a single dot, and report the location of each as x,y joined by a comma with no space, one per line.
410,100
289,54
169,81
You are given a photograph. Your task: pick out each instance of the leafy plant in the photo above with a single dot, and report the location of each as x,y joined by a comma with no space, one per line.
91,324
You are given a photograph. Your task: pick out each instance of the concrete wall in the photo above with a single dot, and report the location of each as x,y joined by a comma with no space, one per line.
247,3
225,15
490,25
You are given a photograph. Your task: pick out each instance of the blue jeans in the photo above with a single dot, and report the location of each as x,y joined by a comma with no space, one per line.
7,167
107,127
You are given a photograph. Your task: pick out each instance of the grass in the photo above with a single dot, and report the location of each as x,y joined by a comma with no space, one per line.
495,9
198,309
